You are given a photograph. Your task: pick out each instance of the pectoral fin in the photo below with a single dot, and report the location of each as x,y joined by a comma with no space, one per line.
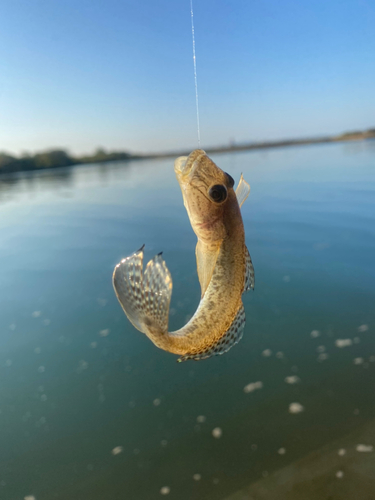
242,191
249,273
206,261
230,338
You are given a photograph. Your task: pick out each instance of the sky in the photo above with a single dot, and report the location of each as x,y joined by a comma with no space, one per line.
82,74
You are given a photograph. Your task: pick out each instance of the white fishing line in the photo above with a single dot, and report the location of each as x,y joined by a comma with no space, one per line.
195,71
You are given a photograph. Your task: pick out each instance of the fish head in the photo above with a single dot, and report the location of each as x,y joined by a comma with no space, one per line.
208,195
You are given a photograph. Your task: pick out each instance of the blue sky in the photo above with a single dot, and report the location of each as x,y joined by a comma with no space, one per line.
80,74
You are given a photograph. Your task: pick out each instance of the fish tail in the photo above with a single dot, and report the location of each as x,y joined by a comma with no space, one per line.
144,296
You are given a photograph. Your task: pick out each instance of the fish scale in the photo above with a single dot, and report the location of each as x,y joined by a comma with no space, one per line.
230,338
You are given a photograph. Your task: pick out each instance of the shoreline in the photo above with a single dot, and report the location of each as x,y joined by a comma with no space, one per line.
53,159
350,137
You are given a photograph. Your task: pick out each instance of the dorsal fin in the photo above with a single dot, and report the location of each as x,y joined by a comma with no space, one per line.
249,273
242,191
206,261
231,337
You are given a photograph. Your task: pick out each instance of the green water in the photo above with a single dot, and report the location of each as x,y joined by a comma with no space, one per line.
77,380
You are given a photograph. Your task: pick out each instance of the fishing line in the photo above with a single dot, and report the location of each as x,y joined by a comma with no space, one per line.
195,71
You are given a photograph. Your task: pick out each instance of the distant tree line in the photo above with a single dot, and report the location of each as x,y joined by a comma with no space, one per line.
56,158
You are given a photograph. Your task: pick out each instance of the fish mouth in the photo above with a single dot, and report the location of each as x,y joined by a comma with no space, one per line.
184,165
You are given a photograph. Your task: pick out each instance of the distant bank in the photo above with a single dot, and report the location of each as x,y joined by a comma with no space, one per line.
348,136
60,158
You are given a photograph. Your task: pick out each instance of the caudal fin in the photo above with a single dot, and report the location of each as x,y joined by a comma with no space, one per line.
144,296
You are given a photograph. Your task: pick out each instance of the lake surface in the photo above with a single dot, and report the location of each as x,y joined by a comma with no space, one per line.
91,409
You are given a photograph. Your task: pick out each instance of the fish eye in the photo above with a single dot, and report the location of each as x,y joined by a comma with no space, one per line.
218,193
230,179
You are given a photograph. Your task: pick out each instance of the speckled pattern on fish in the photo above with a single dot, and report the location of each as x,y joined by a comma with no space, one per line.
224,266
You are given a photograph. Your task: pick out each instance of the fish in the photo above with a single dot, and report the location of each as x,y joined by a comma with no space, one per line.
224,267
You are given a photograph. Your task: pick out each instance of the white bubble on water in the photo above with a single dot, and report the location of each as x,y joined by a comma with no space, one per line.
46,322
201,419
296,408
358,361
37,350
321,348
82,365
281,451
117,450
280,355
41,369
362,328
36,314
105,332
372,359
93,345
292,379
341,452
267,353
156,402
286,279
164,442
364,448
356,340
253,387
165,490
343,342
29,497
323,356
315,333
339,474
43,397
197,477
217,432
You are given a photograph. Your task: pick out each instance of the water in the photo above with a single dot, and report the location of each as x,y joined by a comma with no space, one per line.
90,408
